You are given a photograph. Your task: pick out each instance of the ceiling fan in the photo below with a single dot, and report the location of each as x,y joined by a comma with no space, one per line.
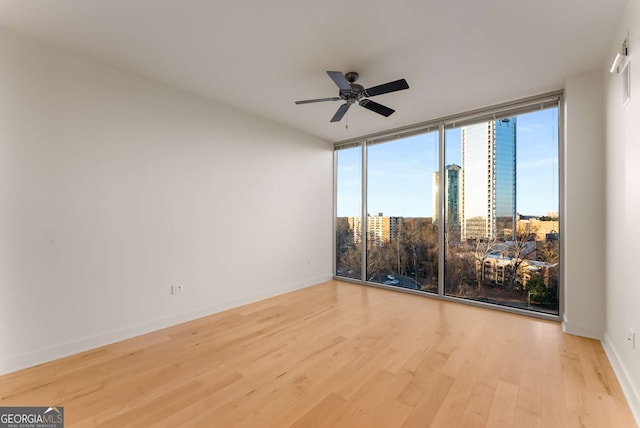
351,92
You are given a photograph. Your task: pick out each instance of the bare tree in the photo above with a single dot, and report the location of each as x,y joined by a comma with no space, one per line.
412,241
523,247
483,249
350,262
375,257
548,252
460,269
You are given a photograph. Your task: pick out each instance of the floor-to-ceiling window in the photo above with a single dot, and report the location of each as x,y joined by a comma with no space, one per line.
402,237
466,207
348,226
502,247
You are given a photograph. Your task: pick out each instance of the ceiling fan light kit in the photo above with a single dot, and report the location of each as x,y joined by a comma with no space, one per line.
352,93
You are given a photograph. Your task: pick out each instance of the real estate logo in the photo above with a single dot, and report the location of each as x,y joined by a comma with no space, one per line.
31,417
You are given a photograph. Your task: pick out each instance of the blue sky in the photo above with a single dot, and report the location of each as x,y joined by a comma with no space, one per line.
401,172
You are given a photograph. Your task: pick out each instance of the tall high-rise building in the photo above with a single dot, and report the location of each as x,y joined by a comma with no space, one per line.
489,179
452,196
380,229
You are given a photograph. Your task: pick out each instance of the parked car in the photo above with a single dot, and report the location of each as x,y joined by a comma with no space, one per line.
398,281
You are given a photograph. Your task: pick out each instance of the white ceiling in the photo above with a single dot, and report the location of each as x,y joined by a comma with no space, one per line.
261,56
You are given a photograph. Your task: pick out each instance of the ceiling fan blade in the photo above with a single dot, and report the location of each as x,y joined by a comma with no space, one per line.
378,108
341,112
339,79
318,100
397,85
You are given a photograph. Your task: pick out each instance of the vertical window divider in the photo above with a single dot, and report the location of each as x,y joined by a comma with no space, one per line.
561,206
441,209
335,209
364,222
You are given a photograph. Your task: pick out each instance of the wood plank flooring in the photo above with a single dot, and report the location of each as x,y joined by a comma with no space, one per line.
336,355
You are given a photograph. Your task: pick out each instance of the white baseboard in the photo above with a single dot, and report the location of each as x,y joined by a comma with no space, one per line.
578,329
631,390
19,362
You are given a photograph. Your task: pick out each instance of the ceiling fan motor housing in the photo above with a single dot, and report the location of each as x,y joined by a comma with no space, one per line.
352,95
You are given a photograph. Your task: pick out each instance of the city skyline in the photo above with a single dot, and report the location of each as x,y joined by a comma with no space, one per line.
400,171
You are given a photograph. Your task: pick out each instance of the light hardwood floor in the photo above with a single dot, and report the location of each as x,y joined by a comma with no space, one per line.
336,355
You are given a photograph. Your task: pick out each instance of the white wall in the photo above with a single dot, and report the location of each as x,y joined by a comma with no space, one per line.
623,213
113,187
584,210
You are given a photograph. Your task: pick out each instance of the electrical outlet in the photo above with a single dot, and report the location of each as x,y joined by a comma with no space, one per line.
177,289
631,337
